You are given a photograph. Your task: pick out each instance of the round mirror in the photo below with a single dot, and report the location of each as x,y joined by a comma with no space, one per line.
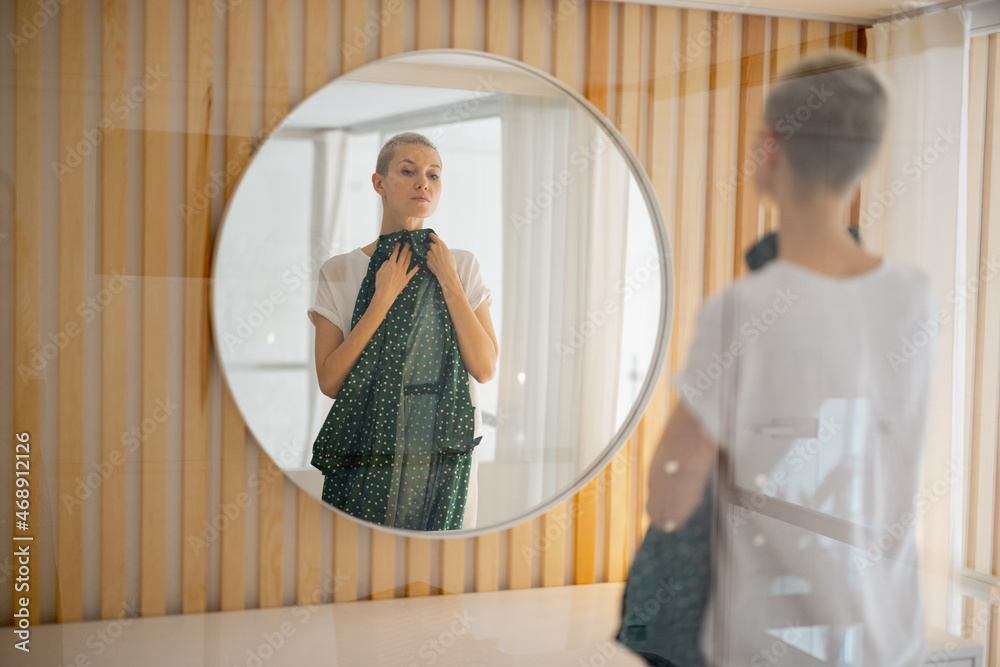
538,187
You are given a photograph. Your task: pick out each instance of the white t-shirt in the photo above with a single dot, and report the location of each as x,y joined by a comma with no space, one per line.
340,279
820,399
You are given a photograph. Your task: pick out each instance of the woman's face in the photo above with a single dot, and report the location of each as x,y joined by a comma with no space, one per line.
412,186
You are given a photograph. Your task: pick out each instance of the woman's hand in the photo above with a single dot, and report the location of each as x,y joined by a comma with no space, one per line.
392,276
440,261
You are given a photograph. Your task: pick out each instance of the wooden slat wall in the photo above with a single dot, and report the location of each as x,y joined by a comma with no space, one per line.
983,337
700,108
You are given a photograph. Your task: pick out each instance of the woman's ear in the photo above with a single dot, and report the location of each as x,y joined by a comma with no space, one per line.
378,184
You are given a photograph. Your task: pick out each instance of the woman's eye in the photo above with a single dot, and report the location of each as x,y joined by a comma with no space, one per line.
407,172
435,176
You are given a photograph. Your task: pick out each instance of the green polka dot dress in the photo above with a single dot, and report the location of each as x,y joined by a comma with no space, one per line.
396,447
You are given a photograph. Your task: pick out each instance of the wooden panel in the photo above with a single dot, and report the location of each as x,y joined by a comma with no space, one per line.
197,253
498,27
233,471
429,24
597,54
519,556
564,26
815,36
691,188
553,546
316,49
72,280
785,49
629,72
418,567
616,515
345,558
383,565
751,102
352,34
391,32
271,506
452,566
585,533
463,24
309,511
155,315
487,563
721,143
532,32
28,288
114,184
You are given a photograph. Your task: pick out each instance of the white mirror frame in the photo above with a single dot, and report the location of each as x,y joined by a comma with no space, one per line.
663,333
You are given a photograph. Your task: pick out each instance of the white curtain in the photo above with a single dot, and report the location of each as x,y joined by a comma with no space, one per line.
328,231
564,240
913,211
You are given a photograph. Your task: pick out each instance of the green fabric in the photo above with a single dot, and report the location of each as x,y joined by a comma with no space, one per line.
396,447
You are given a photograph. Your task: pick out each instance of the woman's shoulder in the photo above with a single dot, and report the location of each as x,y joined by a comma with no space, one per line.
464,257
341,265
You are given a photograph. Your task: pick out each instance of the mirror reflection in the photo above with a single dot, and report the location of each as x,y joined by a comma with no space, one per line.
530,212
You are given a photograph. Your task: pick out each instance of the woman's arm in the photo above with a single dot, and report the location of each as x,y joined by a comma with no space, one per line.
336,355
477,343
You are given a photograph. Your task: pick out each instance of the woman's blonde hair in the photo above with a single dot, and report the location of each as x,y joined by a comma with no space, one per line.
829,111
389,149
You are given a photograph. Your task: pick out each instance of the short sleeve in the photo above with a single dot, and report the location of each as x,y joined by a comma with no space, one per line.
708,370
472,282
324,304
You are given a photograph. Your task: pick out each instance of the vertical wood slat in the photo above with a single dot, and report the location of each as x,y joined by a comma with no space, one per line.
452,565
27,282
308,510
233,448
597,54
498,27
981,479
659,145
815,36
418,567
270,510
197,253
563,19
390,33
724,90
155,315
352,27
345,558
463,24
429,24
750,111
785,49
72,279
552,527
114,184
519,556
487,571
383,564
531,39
